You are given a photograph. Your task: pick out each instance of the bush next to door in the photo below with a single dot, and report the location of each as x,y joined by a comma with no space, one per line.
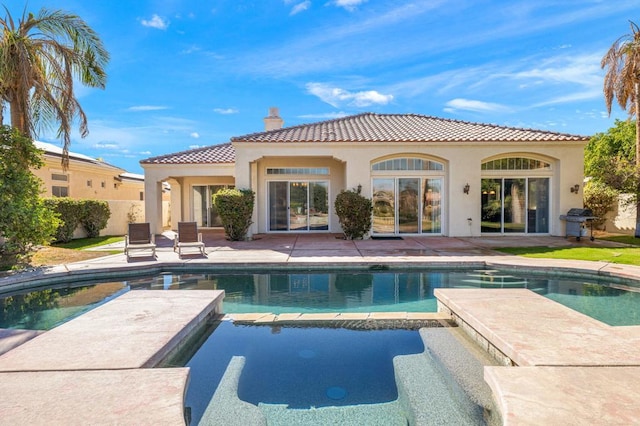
235,207
354,213
91,214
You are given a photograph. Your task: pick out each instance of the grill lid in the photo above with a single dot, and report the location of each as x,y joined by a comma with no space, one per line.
579,212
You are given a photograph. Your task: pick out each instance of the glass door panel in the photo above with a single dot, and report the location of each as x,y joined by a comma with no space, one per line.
214,216
514,205
431,207
319,206
384,220
200,205
408,202
298,202
491,205
538,205
278,206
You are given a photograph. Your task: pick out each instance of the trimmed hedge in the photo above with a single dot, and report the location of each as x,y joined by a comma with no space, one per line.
235,207
354,213
91,214
95,217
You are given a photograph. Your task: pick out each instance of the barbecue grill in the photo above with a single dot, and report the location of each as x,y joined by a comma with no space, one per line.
577,220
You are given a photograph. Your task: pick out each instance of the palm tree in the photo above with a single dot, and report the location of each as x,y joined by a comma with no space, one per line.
40,60
622,81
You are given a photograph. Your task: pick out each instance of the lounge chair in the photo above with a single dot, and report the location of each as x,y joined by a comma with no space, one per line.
139,238
188,237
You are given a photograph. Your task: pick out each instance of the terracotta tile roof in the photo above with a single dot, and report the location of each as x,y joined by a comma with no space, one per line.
223,153
370,127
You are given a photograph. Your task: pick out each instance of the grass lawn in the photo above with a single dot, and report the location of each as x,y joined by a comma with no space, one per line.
87,243
624,255
73,251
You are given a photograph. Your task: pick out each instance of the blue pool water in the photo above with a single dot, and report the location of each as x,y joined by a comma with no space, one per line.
313,291
300,367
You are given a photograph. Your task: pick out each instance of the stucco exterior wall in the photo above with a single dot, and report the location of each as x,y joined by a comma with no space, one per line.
463,165
89,181
181,177
335,178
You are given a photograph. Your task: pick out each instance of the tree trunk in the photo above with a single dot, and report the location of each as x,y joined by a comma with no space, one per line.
636,87
18,119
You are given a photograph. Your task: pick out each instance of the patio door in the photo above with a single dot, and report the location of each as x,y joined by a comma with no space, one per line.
407,205
204,212
515,205
298,205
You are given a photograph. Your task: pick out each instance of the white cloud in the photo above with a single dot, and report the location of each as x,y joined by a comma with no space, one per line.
145,153
194,135
460,104
104,145
336,96
195,146
300,7
155,22
226,110
146,108
350,5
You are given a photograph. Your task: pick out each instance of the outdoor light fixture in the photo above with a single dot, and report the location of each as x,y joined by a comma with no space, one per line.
575,188
466,189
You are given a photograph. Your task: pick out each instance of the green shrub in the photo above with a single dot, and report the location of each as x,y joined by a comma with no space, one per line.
600,198
24,219
235,207
95,216
354,213
70,212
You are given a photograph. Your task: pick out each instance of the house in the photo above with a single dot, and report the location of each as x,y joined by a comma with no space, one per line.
90,178
425,176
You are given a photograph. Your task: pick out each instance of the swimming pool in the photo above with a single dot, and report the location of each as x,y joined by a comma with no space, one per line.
321,291
309,375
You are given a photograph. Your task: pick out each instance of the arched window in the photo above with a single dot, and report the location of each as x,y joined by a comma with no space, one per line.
515,195
407,163
516,163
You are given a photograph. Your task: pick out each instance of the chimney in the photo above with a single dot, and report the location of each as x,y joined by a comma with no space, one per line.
273,120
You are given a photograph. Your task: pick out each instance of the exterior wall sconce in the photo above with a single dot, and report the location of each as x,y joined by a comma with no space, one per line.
466,188
575,188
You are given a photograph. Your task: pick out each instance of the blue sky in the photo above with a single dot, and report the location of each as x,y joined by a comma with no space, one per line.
185,74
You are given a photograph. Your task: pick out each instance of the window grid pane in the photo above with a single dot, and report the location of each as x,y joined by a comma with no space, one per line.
516,163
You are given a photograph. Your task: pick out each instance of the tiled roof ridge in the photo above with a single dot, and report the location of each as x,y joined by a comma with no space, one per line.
185,152
299,126
354,118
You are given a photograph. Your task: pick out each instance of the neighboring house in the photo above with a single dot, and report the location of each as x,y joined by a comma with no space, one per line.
86,177
89,178
425,176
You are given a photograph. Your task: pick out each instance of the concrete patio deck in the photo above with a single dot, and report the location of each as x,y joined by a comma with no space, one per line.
572,368
546,391
96,369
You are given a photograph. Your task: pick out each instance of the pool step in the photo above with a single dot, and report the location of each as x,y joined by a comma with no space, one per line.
427,397
462,359
384,414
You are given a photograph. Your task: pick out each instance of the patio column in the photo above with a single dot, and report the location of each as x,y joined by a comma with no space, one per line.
153,205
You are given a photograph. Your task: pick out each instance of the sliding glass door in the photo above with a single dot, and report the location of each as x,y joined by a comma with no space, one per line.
298,205
515,205
407,205
204,212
